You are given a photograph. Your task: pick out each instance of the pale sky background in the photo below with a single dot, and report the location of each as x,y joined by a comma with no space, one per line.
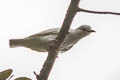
96,57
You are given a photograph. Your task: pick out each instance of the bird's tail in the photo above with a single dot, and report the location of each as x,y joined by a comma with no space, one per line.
16,42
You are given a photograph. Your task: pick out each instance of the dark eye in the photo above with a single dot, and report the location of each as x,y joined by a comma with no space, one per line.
84,29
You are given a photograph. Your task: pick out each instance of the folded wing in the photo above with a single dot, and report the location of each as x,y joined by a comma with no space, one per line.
53,31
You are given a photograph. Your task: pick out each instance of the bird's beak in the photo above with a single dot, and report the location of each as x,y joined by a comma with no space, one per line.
91,31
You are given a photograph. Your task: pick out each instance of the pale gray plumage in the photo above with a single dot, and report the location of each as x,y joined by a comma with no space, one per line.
39,42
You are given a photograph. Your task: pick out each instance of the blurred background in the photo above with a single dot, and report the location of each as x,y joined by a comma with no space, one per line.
96,57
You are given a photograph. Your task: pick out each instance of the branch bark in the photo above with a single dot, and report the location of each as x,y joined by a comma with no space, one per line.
97,12
54,45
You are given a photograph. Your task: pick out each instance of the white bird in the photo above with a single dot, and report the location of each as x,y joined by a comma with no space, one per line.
39,42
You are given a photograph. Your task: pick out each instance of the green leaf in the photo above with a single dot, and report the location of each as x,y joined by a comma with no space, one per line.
5,74
23,78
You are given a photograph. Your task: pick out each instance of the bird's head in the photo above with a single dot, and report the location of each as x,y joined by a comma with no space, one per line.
85,28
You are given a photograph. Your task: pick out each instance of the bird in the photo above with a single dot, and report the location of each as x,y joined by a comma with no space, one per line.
40,42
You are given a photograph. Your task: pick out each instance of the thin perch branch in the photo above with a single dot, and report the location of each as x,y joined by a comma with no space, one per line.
10,77
54,45
97,12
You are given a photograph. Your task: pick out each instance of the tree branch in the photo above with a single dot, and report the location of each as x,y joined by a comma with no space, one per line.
97,12
10,77
54,45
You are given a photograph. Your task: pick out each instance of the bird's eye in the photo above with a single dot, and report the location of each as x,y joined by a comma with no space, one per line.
84,29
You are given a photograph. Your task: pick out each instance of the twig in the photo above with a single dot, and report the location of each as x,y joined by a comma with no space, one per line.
10,77
97,12
54,45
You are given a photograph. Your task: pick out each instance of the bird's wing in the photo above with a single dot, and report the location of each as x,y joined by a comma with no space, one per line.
53,31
